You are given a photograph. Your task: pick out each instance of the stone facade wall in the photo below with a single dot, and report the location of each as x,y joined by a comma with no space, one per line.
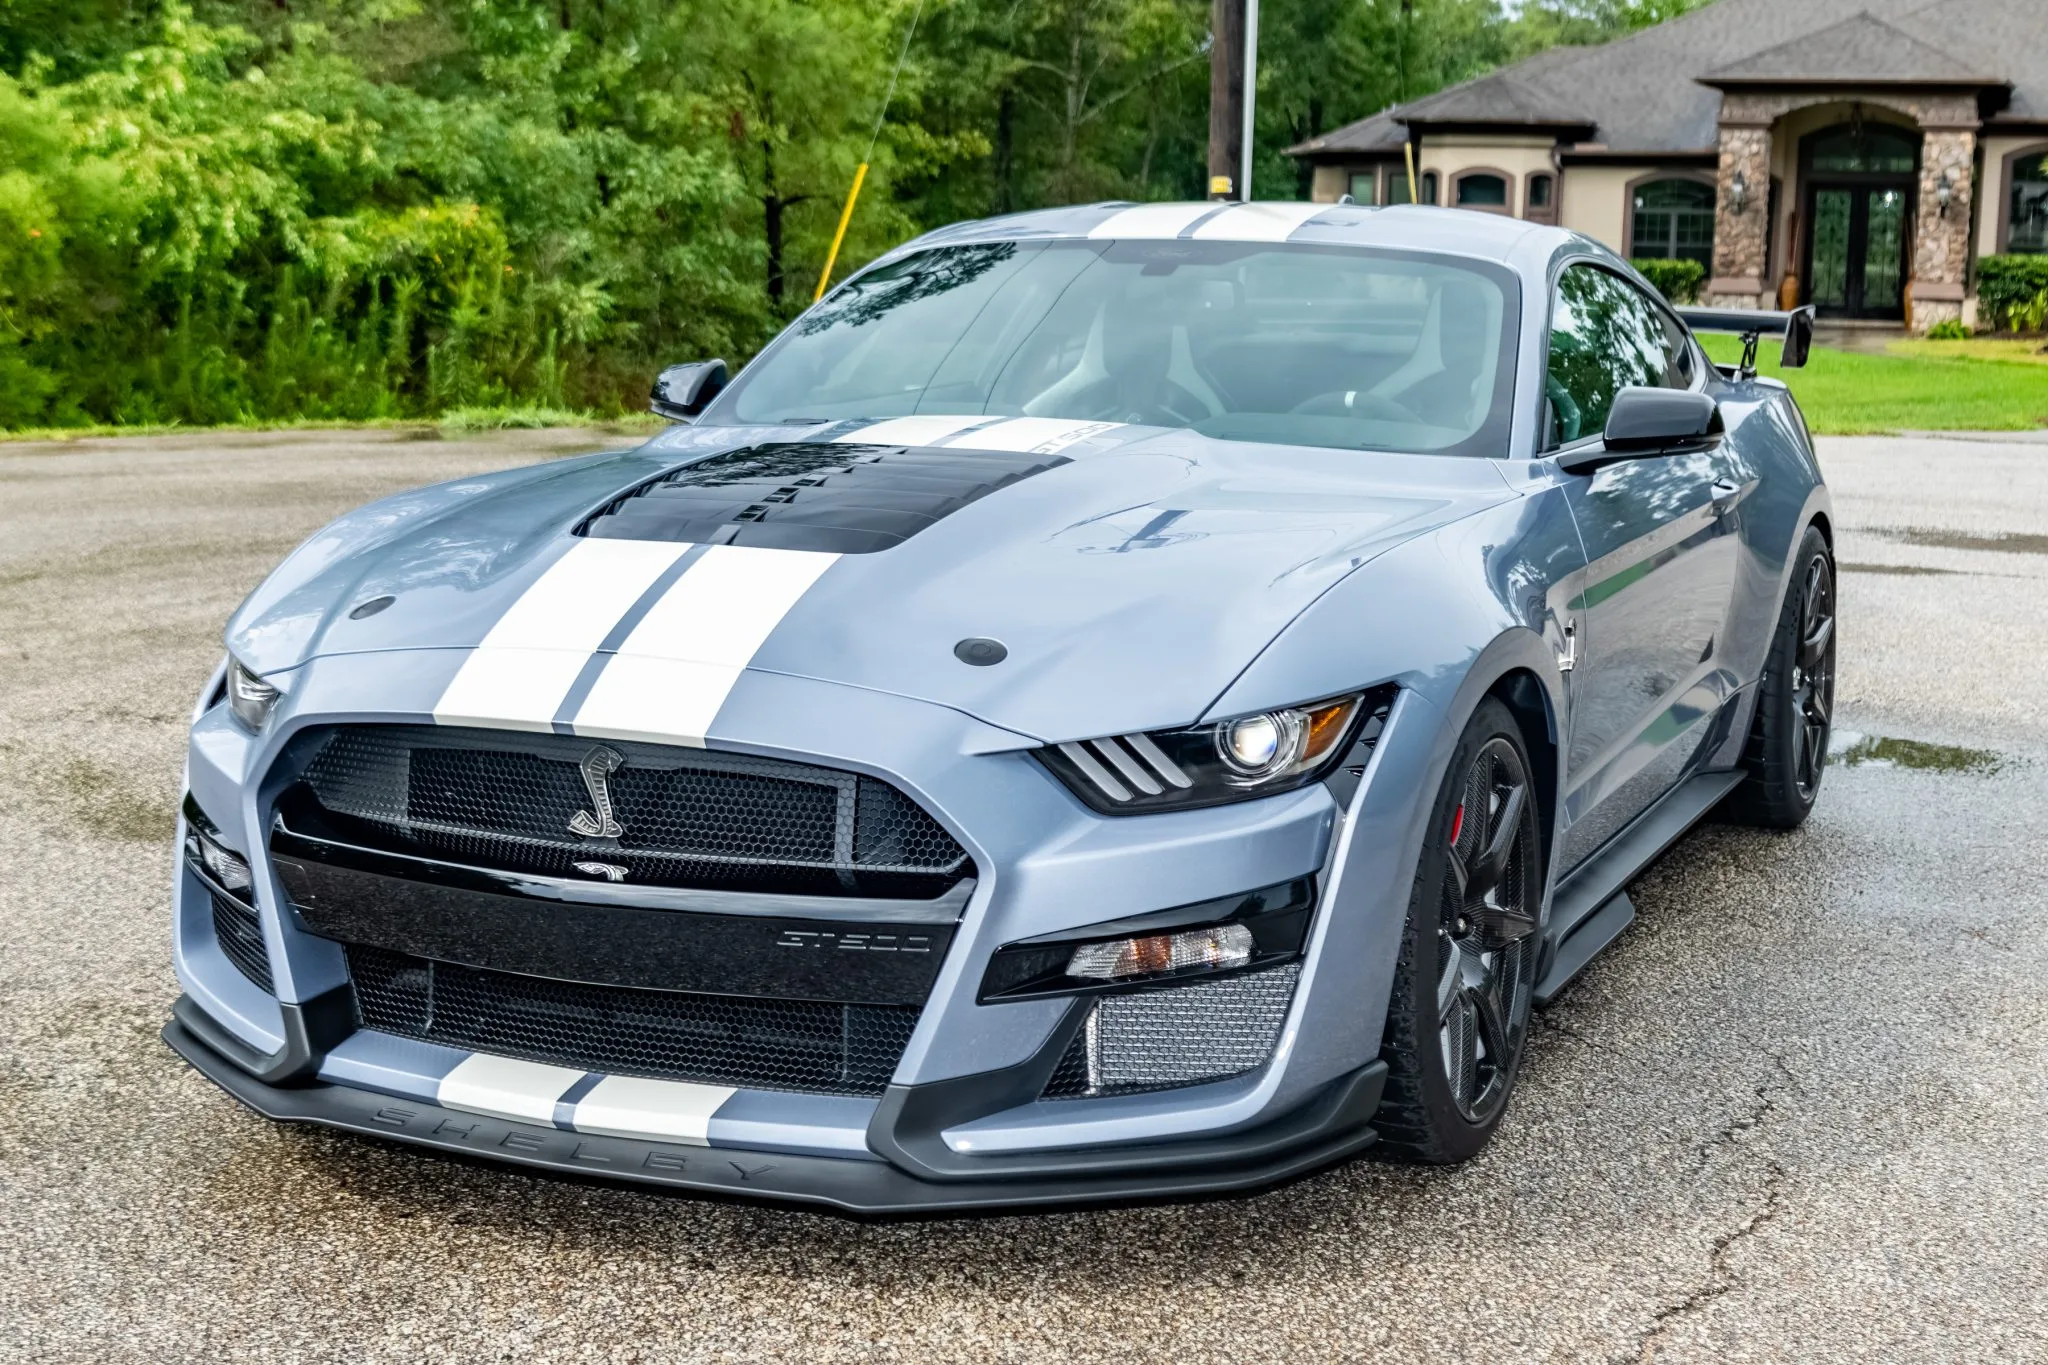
1739,237
1941,245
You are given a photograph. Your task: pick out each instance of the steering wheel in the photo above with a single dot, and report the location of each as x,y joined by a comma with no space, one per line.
1352,403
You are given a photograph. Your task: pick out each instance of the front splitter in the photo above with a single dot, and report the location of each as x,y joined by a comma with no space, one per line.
836,1184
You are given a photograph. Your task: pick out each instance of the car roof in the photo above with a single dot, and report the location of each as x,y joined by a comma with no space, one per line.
1488,236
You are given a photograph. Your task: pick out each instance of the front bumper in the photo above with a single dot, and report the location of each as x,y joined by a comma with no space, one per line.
1333,1125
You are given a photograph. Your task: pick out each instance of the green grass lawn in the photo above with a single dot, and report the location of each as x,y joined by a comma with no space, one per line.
2001,387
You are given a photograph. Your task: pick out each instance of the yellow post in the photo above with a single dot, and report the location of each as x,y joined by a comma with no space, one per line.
845,216
1414,190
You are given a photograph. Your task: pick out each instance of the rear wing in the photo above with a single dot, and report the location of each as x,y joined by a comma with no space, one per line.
1749,324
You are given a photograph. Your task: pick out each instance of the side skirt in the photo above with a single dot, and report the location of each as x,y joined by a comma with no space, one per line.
1590,907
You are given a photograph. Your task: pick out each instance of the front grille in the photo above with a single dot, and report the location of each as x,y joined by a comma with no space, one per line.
687,817
671,1035
1176,1035
241,939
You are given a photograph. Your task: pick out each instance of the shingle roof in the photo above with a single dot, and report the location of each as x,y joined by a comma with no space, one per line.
1862,47
1643,92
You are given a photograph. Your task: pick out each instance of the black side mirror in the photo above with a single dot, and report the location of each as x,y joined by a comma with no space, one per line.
1798,337
1648,422
683,391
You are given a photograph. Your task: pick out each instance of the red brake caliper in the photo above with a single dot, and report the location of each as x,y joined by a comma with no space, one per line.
1458,823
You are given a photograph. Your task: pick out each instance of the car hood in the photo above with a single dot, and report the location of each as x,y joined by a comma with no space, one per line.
1129,585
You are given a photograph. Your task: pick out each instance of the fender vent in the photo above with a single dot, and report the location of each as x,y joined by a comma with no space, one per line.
841,499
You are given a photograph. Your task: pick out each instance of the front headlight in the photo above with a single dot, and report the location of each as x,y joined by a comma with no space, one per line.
249,697
1235,759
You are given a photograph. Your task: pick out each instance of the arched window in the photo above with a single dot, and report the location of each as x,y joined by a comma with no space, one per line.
2026,224
1539,197
1397,187
1480,190
1672,220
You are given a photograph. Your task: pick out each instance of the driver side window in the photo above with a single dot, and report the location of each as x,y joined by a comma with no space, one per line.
1604,337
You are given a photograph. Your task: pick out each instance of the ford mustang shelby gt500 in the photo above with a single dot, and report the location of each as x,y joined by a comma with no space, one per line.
1114,702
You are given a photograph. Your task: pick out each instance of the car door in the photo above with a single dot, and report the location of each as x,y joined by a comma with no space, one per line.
1661,559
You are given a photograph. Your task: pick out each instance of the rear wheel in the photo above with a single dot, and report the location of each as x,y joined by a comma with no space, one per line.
1788,741
1460,1011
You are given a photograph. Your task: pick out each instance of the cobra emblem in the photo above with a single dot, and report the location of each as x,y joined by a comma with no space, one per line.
597,767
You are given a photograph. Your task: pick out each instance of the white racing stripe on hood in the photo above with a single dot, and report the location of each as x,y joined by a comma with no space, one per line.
1257,222
674,671
913,431
523,668
635,1107
1151,221
1036,435
505,1087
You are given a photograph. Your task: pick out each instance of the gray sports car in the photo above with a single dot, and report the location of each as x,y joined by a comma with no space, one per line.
1117,702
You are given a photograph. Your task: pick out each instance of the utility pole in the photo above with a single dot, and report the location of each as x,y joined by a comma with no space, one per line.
1226,96
1249,155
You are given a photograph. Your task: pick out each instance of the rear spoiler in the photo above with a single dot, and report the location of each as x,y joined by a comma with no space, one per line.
1750,323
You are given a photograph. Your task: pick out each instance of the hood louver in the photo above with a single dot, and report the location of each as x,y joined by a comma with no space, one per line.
842,499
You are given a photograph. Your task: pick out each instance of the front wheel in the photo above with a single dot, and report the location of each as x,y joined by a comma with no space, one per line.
1462,989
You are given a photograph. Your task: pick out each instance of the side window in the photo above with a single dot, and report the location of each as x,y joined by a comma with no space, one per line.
1604,337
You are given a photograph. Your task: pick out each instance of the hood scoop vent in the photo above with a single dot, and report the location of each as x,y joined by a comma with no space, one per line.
841,499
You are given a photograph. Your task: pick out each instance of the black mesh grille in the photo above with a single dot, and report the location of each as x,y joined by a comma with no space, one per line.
1176,1035
689,817
672,1035
241,939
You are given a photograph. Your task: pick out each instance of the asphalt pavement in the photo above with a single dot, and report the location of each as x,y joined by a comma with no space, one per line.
1796,1114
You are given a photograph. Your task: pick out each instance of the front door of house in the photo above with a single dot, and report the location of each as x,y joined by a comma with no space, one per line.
1856,265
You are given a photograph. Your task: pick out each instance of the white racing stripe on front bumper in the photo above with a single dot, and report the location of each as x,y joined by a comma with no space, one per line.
673,673
635,1107
506,1088
526,664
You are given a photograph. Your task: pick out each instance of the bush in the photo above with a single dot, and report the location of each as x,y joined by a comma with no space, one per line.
2012,291
1677,281
1949,329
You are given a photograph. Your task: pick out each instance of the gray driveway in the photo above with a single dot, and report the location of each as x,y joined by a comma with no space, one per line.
1797,1113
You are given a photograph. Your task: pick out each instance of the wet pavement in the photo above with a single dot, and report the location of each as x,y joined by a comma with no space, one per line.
1796,1114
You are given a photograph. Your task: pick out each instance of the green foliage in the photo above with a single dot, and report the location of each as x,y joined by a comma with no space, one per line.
1677,281
250,210
1949,329
2012,291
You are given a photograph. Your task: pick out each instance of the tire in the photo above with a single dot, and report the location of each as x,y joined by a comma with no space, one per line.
1787,753
1459,1018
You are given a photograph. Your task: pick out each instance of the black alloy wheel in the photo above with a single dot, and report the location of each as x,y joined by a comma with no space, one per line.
1486,939
1787,752
1465,982
1813,674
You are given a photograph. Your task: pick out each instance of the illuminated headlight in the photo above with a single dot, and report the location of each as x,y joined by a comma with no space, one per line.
1233,759
249,697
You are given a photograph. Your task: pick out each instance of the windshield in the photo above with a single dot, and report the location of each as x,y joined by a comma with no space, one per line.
1243,341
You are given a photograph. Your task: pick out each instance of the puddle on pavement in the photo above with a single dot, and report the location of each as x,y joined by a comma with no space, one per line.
1853,750
1906,569
2016,544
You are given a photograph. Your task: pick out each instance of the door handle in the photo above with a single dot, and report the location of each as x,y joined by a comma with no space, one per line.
1726,494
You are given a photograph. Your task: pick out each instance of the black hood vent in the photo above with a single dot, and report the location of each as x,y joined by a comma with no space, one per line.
844,499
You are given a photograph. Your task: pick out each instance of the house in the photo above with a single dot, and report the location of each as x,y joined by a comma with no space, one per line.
1859,155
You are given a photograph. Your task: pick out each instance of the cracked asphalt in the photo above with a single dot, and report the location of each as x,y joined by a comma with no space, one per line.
1796,1114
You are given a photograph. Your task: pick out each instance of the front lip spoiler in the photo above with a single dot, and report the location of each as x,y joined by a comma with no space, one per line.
1331,1127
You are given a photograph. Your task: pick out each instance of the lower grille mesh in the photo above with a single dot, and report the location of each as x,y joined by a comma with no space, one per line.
1177,1035
803,1045
241,940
